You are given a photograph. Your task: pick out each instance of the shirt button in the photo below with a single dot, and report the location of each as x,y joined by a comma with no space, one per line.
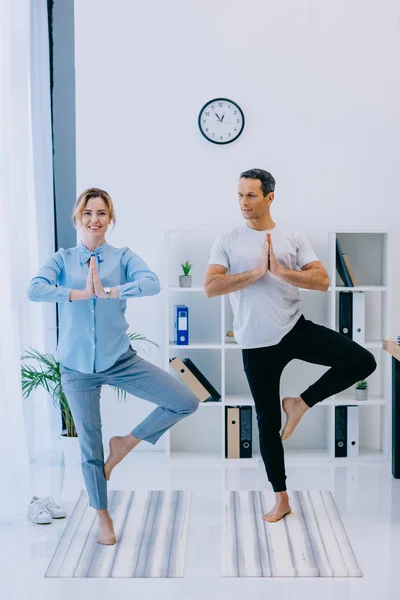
93,346
92,328
92,310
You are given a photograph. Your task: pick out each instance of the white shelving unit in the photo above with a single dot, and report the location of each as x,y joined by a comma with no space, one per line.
202,436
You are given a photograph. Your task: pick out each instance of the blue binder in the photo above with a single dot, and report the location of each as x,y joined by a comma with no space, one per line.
182,324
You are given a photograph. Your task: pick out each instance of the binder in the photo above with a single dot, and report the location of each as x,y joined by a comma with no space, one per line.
232,432
341,266
350,270
346,314
352,430
214,394
189,379
340,431
358,314
352,315
182,324
245,432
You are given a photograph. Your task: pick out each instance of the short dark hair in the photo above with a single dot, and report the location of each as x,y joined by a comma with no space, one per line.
266,179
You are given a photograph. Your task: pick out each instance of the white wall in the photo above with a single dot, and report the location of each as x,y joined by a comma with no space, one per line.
319,85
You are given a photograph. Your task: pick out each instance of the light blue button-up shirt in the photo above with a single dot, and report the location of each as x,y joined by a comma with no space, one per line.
92,333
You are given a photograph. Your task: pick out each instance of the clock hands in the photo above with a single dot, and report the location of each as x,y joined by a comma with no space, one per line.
220,119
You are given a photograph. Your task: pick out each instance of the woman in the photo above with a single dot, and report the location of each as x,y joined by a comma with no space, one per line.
91,283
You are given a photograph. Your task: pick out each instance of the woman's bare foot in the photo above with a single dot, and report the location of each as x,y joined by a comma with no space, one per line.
280,510
120,446
107,534
294,409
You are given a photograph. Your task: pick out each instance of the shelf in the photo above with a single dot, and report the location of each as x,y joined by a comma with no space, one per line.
238,400
344,399
211,459
210,403
361,288
177,288
323,456
201,346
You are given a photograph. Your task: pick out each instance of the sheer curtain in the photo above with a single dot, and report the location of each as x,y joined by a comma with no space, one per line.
26,231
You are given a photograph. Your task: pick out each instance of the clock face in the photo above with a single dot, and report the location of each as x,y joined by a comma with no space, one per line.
221,121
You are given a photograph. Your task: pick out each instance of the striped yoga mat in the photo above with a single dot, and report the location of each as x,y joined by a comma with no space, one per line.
310,542
151,529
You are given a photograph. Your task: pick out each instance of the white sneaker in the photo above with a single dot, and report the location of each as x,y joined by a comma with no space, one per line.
56,511
39,513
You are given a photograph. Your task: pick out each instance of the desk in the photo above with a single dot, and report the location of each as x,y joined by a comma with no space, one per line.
394,350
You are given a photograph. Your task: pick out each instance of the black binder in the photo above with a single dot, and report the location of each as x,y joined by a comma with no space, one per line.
341,266
215,396
340,431
245,432
346,314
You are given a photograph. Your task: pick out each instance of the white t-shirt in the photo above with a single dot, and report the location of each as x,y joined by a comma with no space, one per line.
265,311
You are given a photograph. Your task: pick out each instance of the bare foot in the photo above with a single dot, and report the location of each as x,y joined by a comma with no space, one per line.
119,448
294,409
280,510
107,534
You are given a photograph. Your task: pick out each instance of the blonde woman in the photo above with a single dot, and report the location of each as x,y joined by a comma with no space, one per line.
91,283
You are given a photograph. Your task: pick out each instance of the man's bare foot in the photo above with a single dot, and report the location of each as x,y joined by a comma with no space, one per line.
280,510
119,448
294,409
107,534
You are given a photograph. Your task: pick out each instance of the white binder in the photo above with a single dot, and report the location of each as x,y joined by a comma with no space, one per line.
352,431
359,317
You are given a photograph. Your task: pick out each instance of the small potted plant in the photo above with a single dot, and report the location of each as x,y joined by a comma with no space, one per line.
185,280
362,390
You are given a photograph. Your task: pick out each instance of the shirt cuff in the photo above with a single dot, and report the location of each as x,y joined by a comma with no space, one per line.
64,294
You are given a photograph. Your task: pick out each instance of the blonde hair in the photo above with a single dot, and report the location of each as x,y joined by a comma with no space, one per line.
84,198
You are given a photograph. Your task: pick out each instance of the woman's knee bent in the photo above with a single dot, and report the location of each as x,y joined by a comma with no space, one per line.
190,404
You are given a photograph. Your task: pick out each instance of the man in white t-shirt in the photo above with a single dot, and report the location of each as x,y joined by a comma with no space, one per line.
262,265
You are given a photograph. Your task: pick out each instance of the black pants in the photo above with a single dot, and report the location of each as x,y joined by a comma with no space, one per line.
312,343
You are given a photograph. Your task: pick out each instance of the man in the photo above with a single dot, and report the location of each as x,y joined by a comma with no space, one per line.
262,265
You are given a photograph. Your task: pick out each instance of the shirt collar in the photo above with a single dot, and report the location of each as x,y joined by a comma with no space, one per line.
85,253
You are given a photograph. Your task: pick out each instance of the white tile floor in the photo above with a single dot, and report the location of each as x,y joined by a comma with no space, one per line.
367,496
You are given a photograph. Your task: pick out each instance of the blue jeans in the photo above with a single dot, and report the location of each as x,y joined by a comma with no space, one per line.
138,377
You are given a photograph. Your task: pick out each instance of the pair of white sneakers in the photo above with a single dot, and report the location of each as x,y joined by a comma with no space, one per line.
42,511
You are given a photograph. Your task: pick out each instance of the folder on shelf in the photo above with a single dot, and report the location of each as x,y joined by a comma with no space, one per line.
352,315
352,430
232,433
186,374
214,394
245,432
350,270
341,266
340,431
182,324
238,431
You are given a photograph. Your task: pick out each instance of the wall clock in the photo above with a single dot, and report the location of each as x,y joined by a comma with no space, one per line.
221,121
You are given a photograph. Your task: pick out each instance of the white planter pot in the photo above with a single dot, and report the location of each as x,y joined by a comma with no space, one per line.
361,394
185,280
71,453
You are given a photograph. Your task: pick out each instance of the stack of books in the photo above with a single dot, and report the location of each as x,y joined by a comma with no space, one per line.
195,380
343,267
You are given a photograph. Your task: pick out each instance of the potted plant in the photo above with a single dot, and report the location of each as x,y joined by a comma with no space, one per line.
362,390
185,280
45,373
